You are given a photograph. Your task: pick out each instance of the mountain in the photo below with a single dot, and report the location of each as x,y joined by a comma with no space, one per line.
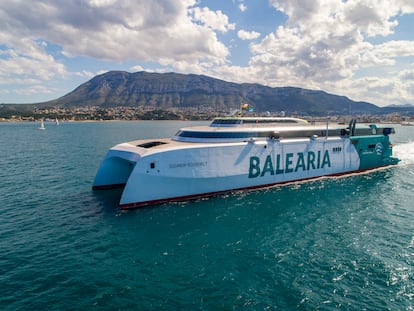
400,106
167,90
404,110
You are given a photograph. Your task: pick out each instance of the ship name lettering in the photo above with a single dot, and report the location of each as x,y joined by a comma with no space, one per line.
293,162
188,164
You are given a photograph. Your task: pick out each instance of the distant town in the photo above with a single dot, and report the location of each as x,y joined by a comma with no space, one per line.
97,113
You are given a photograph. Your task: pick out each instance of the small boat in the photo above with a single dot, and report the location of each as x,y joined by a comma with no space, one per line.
57,121
240,153
42,126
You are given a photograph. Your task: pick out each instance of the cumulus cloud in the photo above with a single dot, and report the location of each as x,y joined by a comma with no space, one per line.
407,75
395,49
407,6
391,90
214,20
119,30
28,59
324,43
248,35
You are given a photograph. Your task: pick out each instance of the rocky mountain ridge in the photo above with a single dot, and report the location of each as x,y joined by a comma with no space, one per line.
167,90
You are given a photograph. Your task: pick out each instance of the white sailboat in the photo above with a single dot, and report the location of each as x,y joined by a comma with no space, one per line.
57,121
42,126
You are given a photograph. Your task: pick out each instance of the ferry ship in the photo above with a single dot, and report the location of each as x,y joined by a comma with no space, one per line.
240,153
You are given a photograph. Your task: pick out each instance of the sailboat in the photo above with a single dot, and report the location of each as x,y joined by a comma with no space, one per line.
57,121
42,126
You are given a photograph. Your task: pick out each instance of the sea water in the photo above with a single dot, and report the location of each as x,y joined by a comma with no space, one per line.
333,243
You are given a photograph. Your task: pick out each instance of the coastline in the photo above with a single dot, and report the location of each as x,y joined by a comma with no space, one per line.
312,120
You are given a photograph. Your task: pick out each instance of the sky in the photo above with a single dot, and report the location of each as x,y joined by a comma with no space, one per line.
362,49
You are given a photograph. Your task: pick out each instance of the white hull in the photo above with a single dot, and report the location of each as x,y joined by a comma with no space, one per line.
198,170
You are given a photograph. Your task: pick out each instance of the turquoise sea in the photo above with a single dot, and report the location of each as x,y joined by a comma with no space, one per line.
330,244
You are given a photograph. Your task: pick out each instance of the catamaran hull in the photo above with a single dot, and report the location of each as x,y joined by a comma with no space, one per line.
198,170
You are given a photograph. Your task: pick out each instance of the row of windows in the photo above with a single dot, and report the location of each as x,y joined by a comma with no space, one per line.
255,121
250,121
226,121
196,134
251,134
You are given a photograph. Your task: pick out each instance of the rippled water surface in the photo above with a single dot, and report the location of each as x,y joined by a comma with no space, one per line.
336,243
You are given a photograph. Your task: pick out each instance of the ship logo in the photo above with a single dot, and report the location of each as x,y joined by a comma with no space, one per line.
379,149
